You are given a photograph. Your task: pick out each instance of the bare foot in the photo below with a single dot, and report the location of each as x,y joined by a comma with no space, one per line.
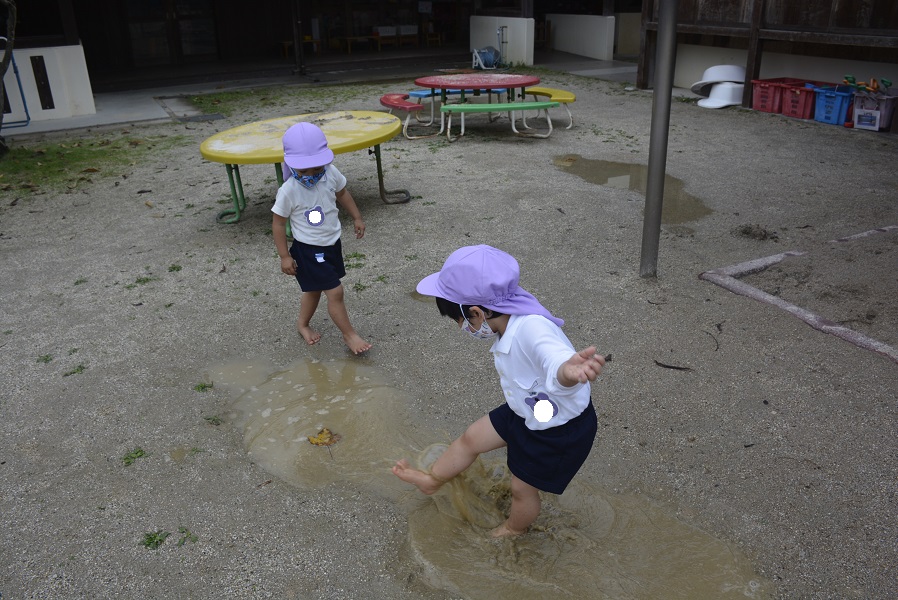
504,530
425,482
308,334
356,343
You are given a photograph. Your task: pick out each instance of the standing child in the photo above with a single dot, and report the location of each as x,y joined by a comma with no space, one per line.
312,189
547,421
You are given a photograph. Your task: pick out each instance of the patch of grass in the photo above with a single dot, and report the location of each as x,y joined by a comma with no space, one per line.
45,358
411,257
214,420
359,287
132,456
202,387
154,539
72,351
247,102
356,256
186,536
140,281
76,371
37,166
80,280
381,278
174,268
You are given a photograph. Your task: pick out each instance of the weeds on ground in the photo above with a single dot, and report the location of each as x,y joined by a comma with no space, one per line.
129,458
354,260
43,166
202,387
154,539
186,536
299,99
140,281
76,371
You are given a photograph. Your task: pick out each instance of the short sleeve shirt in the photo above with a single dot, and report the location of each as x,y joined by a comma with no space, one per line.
313,213
527,357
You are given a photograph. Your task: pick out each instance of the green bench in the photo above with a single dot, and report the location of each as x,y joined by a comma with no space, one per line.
509,107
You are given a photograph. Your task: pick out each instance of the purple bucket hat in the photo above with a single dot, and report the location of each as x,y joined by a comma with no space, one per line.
305,147
485,276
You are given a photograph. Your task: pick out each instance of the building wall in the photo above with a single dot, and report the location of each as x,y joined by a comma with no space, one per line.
69,85
584,35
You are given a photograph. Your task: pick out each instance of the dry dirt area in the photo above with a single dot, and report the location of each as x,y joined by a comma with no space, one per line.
122,297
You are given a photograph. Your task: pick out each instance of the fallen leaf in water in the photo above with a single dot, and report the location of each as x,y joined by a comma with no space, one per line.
324,438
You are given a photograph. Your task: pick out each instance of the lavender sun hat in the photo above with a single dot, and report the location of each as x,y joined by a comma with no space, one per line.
485,276
305,147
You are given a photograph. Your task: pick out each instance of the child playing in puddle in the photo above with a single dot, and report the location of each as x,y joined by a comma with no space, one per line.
312,189
548,422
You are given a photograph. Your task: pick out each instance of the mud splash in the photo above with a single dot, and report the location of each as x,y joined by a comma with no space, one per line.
587,543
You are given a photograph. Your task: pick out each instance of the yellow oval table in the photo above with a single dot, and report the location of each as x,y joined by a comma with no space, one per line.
261,142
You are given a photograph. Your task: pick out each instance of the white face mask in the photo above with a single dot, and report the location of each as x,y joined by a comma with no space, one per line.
484,333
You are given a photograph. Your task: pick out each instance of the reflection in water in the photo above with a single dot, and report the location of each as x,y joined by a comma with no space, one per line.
277,411
678,206
587,543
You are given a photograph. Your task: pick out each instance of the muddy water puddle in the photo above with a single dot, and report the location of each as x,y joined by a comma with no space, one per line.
678,206
587,543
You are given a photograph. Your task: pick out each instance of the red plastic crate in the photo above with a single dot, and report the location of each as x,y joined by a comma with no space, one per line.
767,94
798,100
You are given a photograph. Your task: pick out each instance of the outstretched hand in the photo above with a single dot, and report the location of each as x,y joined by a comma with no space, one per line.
583,366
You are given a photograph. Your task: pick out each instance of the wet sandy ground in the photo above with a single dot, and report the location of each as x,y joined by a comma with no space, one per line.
769,437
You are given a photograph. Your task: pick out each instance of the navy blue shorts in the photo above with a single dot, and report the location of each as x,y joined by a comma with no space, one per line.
546,459
318,267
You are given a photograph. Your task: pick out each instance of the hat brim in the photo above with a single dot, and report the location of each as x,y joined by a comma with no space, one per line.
321,159
703,88
430,286
712,103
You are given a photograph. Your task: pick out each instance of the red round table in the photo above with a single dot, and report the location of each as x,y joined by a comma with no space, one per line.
477,81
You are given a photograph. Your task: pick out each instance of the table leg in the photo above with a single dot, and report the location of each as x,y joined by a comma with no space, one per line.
404,196
279,173
236,195
444,97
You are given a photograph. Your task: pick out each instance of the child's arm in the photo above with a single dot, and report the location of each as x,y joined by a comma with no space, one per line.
344,199
584,366
279,233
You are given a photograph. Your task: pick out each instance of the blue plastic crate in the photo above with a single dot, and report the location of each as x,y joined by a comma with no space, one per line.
832,104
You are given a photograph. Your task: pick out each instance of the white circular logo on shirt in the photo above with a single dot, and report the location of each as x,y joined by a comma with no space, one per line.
315,216
543,411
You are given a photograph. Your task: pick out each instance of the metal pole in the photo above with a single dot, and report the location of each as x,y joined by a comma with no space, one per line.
298,57
654,190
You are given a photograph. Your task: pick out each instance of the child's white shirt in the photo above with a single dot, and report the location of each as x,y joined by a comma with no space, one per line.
527,357
313,213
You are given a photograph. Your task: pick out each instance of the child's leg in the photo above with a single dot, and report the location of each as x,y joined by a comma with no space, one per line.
307,304
480,437
525,506
336,308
